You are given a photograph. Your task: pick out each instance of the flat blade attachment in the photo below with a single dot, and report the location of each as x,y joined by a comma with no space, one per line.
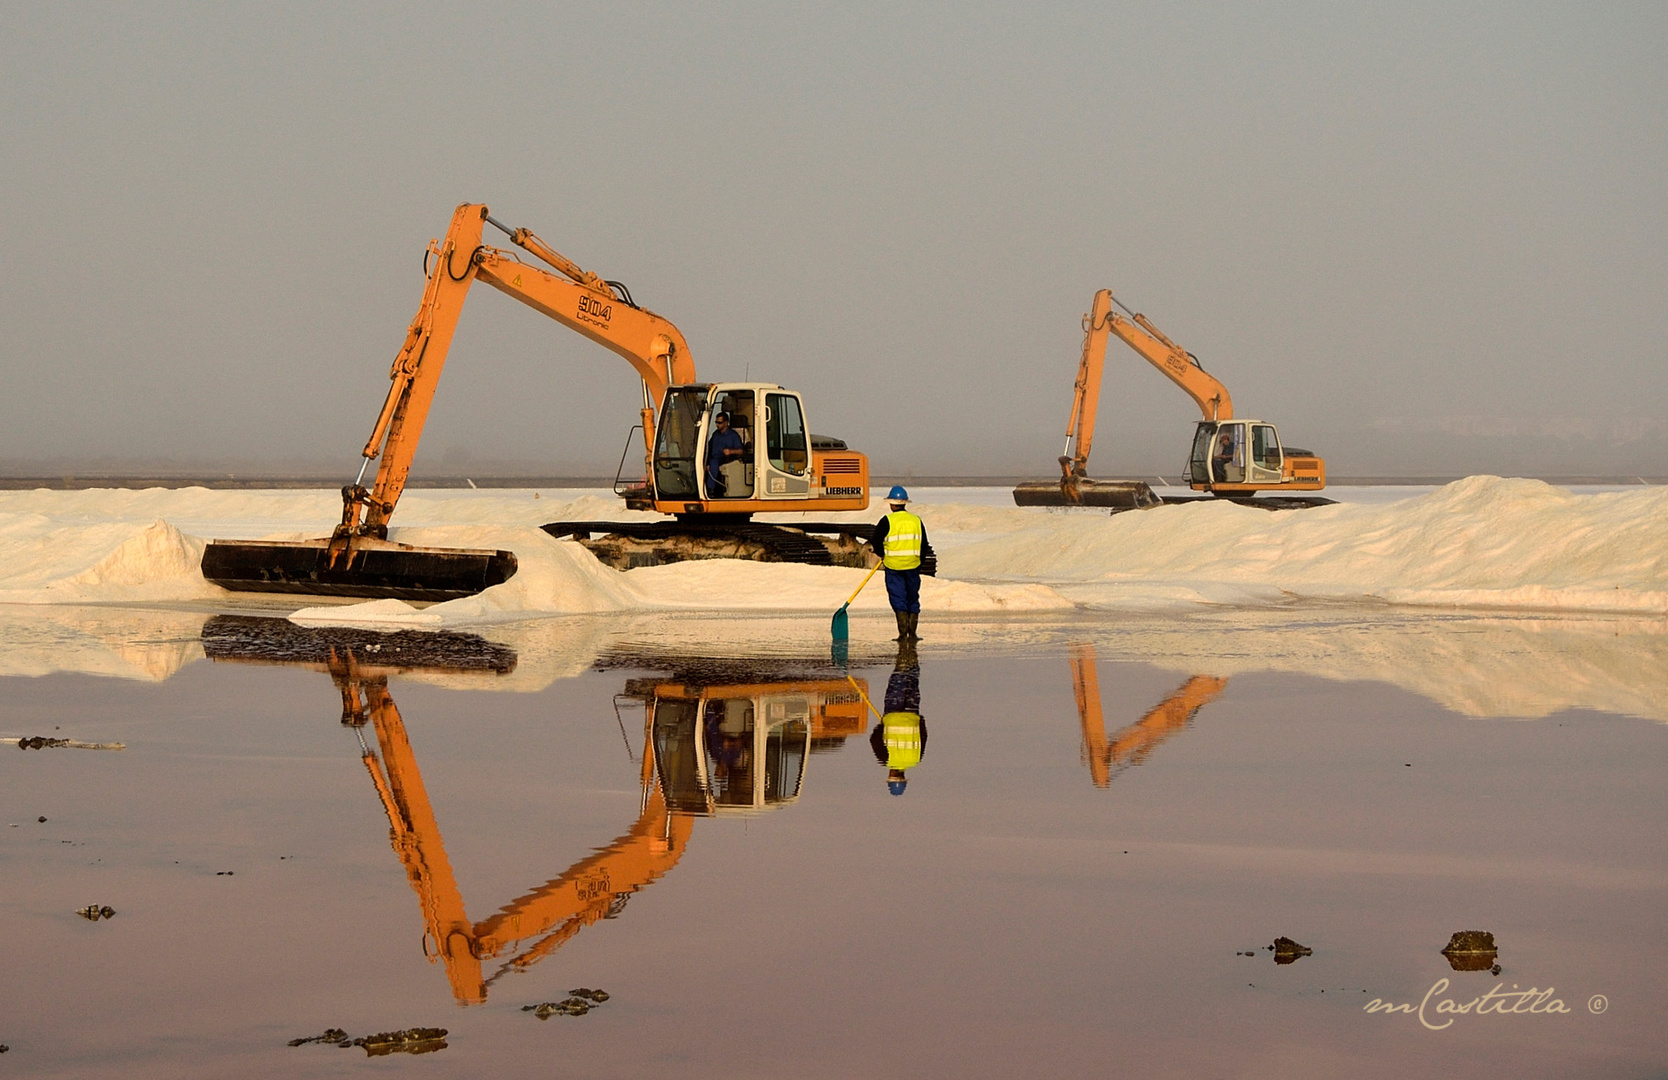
374,569
1116,494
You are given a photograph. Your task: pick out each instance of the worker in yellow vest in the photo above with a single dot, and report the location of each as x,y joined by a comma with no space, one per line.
901,737
900,540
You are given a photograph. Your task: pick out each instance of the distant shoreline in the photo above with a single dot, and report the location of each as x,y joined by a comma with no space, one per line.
232,481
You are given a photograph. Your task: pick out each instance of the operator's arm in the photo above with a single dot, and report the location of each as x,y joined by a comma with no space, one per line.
877,539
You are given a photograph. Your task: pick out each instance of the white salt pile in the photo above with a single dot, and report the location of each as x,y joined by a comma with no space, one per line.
1483,542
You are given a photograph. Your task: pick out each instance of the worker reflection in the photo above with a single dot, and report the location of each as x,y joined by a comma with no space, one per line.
724,448
1223,459
900,539
901,739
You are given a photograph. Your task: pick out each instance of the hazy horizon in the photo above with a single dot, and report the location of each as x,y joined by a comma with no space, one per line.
1427,240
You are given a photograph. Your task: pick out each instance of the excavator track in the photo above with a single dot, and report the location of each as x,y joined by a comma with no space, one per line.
1261,502
626,545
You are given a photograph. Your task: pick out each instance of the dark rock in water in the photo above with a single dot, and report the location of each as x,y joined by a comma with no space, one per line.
1472,950
95,912
409,1041
1287,951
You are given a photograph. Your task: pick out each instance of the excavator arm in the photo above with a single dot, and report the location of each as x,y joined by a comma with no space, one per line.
1131,745
1176,363
1138,332
591,889
583,302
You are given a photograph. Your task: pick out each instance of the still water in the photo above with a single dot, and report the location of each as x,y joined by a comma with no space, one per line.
1099,833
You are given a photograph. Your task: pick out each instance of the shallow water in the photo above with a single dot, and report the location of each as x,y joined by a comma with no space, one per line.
1107,815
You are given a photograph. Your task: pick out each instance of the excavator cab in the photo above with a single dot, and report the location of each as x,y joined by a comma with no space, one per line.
1240,457
742,448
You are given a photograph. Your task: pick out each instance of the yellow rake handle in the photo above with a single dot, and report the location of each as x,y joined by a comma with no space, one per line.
871,574
865,698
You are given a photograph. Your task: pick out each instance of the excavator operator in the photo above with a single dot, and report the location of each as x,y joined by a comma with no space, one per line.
723,448
1223,460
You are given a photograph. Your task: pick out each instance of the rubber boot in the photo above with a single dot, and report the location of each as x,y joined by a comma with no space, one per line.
914,617
903,625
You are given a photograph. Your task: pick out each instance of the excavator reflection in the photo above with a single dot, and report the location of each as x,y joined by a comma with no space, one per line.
707,749
1130,746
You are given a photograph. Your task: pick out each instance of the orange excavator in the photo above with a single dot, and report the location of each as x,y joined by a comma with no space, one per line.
1108,756
766,460
1231,457
708,749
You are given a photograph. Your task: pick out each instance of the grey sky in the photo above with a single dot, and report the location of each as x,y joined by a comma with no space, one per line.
1418,237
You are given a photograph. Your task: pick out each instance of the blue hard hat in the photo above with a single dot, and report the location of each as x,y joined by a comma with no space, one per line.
897,494
896,787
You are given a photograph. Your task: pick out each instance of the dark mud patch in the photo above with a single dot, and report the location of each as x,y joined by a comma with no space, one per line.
578,1003
407,1041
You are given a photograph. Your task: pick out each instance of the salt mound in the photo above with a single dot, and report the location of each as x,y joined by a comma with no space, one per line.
49,563
1480,542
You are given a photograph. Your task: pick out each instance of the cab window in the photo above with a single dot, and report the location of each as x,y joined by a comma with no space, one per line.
1265,446
785,434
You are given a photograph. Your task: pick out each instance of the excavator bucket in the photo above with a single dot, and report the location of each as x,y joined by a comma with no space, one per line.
1115,494
373,569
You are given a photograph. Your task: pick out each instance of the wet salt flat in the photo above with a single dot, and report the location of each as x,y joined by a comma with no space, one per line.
407,825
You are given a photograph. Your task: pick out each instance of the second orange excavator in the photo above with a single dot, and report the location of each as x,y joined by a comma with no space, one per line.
1231,457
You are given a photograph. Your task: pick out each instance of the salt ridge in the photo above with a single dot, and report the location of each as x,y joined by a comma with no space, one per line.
1483,542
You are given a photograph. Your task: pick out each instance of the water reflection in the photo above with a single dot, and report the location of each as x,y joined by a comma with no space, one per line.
710,747
900,741
734,747
1107,757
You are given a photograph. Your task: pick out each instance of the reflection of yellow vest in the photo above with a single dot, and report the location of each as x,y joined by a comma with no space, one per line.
903,540
901,732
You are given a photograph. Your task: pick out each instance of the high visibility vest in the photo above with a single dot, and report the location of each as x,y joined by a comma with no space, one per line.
904,532
901,732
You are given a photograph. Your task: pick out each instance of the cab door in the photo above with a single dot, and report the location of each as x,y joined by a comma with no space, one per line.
1266,457
784,454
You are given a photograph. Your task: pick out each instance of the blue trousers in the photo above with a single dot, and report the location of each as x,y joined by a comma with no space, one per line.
903,588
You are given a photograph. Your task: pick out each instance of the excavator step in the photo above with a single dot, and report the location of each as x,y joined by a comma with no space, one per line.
376,569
